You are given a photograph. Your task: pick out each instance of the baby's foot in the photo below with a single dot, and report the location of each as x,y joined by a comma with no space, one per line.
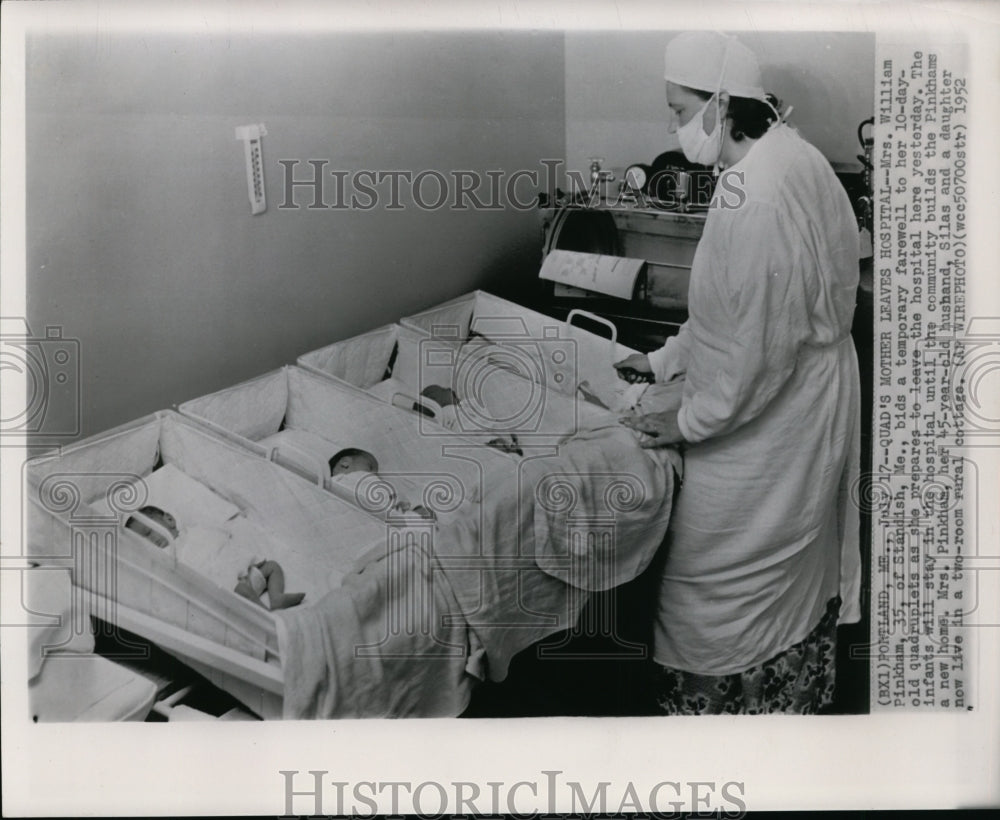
286,600
243,588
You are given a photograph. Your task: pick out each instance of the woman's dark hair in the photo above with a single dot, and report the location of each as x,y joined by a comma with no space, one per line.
750,118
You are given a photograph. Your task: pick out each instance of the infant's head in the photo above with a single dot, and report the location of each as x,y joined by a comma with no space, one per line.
444,396
353,460
158,516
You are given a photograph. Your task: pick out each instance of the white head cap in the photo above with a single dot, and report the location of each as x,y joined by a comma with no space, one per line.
711,61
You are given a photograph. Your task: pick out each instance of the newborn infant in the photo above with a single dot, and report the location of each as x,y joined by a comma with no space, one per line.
352,460
349,467
267,577
217,554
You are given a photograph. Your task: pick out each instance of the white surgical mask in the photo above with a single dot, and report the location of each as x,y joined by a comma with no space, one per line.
705,149
695,143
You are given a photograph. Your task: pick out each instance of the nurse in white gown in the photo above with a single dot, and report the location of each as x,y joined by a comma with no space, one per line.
763,544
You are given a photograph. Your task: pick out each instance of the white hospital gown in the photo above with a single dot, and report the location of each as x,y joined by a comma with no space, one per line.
763,533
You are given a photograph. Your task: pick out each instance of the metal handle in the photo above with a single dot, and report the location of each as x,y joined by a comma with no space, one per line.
429,404
408,402
595,318
402,400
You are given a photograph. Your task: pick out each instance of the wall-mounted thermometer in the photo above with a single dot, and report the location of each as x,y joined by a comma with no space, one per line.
251,136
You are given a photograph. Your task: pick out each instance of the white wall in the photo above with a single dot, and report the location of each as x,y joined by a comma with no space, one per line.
140,239
616,105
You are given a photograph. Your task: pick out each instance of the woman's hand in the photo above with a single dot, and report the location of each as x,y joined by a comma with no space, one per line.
634,368
662,428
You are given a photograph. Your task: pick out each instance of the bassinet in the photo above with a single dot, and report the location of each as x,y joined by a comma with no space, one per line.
503,389
300,420
566,354
506,566
79,497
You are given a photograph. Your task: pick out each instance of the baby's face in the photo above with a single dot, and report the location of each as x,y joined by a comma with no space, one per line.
165,519
353,464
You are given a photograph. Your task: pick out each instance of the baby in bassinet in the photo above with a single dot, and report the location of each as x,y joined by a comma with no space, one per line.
156,535
352,460
446,413
267,577
262,581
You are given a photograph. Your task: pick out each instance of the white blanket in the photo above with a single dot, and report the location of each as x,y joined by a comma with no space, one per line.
552,528
390,643
222,554
188,500
502,390
219,541
601,506
387,389
305,452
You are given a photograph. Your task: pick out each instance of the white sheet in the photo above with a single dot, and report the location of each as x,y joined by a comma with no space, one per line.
223,553
601,507
502,390
386,389
564,356
50,591
390,643
189,501
304,451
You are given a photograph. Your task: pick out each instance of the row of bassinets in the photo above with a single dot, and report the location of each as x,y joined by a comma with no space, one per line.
230,468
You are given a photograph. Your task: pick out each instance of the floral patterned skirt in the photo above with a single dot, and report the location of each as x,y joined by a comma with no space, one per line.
797,681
